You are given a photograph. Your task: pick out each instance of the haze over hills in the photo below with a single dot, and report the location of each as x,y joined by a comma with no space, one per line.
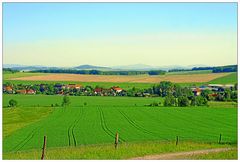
93,67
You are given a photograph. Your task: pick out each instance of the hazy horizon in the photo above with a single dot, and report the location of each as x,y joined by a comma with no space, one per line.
118,34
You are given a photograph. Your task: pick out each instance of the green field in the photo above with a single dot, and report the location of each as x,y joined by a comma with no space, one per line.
229,79
8,75
91,127
102,117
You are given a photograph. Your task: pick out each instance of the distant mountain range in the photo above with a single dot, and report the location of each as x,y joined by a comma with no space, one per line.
91,67
28,68
137,67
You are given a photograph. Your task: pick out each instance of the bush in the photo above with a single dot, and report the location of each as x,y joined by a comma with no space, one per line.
154,104
199,101
12,103
169,100
183,101
66,101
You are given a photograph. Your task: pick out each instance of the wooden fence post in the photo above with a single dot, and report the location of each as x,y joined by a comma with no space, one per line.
44,147
220,138
177,141
116,140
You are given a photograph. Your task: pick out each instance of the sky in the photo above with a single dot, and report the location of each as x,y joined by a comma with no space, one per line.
111,34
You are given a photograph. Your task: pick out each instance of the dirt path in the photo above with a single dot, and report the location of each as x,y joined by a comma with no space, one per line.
180,155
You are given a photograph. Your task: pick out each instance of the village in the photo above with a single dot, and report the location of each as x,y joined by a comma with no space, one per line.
60,89
80,90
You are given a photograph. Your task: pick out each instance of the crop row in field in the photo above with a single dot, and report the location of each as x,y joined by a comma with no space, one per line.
102,117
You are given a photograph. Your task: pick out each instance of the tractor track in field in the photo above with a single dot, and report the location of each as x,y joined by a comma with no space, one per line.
74,137
156,120
71,129
135,125
190,129
105,128
26,140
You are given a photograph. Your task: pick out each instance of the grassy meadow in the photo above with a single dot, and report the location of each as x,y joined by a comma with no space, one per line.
124,151
229,79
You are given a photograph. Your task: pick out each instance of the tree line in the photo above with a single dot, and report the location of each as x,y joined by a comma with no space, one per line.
218,69
99,72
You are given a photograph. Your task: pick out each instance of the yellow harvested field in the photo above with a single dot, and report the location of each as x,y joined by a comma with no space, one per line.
188,78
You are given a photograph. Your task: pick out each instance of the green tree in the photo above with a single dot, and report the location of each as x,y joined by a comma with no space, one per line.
183,101
169,100
227,95
235,86
66,101
199,101
206,93
12,103
220,97
166,87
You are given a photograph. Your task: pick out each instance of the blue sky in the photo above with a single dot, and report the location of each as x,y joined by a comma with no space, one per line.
97,25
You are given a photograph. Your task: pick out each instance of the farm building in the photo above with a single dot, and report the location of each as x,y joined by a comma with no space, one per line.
220,87
8,89
98,90
76,86
23,91
117,89
30,91
59,86
197,91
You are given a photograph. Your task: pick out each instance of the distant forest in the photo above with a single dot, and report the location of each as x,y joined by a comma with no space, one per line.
98,72
219,69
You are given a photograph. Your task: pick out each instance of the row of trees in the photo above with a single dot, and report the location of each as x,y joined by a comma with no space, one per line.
184,101
9,70
218,69
99,72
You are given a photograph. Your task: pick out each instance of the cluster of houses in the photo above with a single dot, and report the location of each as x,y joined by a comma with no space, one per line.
9,89
72,89
212,87
61,89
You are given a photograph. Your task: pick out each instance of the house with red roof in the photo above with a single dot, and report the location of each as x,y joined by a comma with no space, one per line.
22,91
8,89
30,91
117,89
98,90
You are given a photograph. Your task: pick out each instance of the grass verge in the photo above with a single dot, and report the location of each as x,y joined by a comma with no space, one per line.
124,150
